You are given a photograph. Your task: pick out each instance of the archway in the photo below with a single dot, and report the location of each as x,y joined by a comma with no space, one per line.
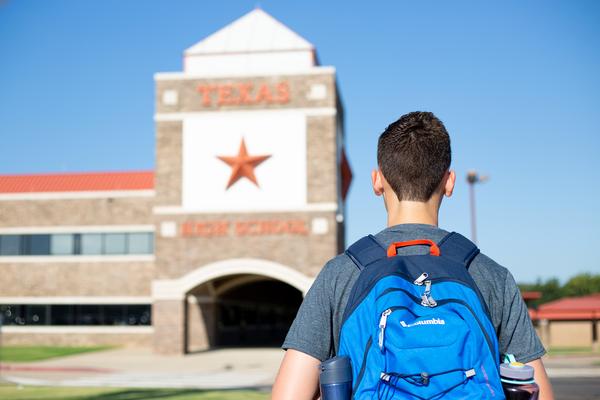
238,302
241,310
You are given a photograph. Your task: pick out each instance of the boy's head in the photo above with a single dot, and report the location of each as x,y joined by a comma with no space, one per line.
414,156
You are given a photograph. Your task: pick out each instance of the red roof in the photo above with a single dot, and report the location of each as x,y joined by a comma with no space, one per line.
77,182
570,308
531,295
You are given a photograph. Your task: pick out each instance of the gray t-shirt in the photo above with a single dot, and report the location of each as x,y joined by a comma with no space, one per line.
315,331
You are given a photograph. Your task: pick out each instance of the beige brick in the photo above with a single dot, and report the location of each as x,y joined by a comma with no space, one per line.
191,100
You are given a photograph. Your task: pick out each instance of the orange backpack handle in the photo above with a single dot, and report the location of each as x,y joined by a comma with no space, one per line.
393,249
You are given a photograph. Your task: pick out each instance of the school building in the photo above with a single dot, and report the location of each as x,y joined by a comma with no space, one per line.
218,244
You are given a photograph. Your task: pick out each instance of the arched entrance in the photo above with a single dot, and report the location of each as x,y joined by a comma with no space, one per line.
241,310
239,302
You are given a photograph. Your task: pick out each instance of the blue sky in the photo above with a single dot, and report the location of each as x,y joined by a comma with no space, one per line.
516,84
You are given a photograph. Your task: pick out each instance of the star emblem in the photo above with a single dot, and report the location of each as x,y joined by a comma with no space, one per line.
242,165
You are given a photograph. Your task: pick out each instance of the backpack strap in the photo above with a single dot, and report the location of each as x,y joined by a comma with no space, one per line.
458,248
365,252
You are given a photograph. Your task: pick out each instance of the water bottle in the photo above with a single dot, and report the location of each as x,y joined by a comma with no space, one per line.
336,379
517,381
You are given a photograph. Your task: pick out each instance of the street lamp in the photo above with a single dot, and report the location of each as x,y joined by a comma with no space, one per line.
472,178
1,322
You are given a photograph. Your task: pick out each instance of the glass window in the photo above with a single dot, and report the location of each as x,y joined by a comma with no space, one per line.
138,314
10,314
35,314
91,243
75,314
90,315
139,243
62,315
10,245
114,315
61,244
115,243
39,245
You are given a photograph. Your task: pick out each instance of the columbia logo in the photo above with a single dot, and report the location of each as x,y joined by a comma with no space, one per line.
432,321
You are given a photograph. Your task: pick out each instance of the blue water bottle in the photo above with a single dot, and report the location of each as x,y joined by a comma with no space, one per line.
336,379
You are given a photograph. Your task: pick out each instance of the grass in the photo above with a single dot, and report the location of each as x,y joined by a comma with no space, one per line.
556,351
52,393
37,353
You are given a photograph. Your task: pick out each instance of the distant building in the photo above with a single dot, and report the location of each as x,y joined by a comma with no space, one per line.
569,322
219,243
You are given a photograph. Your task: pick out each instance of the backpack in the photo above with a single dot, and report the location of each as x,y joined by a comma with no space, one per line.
416,326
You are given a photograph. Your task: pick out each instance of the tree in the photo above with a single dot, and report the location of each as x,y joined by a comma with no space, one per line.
579,285
582,284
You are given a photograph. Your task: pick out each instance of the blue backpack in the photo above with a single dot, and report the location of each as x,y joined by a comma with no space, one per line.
416,326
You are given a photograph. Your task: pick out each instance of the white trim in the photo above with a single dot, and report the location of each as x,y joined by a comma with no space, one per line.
170,76
176,289
77,258
77,229
116,329
100,194
310,207
76,300
180,116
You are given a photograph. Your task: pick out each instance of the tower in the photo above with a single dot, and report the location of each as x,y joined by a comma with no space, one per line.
251,178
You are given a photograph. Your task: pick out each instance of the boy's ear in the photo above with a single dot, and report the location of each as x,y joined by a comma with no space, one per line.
449,184
377,181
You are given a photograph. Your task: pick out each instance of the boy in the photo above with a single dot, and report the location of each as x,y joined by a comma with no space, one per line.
414,157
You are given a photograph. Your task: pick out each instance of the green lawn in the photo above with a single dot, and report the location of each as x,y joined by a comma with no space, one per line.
47,393
37,353
558,351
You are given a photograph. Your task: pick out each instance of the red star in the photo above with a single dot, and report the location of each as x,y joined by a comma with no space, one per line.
242,165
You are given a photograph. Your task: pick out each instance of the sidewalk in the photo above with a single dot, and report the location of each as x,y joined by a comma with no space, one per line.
140,368
215,369
570,366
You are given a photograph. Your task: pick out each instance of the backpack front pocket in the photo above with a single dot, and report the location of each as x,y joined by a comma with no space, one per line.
423,354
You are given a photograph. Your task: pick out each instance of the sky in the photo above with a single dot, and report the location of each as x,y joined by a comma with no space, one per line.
516,84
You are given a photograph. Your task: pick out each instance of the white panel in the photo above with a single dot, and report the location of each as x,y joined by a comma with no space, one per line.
249,63
281,178
168,229
318,91
170,97
320,226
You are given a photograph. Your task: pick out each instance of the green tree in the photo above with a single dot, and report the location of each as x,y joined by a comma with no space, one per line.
551,289
582,284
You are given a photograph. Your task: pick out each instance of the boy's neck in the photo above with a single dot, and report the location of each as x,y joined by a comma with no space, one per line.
412,212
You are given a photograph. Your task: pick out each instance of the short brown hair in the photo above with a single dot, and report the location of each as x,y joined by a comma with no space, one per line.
414,154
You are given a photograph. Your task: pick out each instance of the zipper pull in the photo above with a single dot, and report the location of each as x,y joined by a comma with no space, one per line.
427,288
426,298
421,278
382,324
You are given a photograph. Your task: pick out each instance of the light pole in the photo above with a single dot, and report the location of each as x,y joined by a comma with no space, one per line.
1,321
473,178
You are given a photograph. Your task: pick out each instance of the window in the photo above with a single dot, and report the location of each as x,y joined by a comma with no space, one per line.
139,243
36,245
62,244
91,243
76,314
36,315
10,245
115,243
77,244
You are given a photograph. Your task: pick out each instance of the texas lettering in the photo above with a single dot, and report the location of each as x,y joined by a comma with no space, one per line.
244,93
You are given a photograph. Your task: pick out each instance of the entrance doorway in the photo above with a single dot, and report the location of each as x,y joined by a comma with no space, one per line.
247,311
257,313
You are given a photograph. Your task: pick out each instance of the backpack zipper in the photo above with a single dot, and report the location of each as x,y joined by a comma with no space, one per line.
382,324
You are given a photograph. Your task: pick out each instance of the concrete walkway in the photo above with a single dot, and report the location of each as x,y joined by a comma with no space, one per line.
216,369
